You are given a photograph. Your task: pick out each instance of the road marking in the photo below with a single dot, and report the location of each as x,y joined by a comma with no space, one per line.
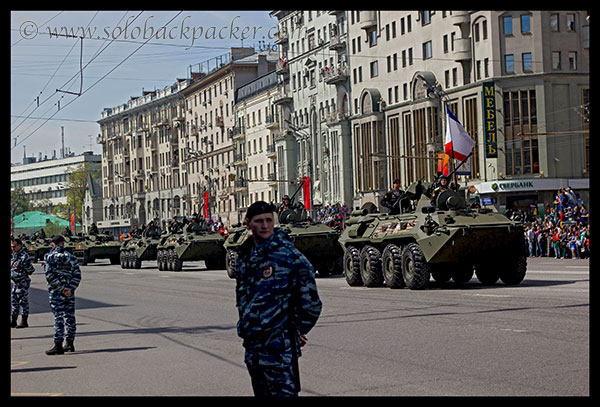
37,394
17,363
490,295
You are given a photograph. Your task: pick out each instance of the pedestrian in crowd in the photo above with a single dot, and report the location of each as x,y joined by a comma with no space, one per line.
63,277
277,302
20,270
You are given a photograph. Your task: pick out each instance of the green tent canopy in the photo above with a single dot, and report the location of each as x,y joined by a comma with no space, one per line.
32,221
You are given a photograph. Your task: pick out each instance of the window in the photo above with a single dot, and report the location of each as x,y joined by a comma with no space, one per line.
507,21
527,67
427,53
486,67
484,29
426,17
554,22
520,126
410,56
476,31
509,64
445,42
374,69
556,60
570,22
372,34
526,24
572,60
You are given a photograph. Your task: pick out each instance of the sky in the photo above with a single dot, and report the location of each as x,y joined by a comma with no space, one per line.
62,82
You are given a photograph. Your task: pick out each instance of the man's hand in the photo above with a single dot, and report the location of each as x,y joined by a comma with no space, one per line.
302,339
66,292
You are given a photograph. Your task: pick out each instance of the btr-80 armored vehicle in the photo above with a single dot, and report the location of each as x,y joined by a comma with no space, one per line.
315,240
136,249
443,239
194,242
88,248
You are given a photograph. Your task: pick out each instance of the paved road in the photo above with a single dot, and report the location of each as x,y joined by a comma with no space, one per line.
150,332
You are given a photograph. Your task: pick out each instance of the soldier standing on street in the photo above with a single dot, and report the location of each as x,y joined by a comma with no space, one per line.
63,277
278,304
20,270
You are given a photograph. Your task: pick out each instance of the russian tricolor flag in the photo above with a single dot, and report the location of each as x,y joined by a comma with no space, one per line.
458,142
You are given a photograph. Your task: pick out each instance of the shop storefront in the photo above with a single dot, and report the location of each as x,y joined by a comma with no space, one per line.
523,193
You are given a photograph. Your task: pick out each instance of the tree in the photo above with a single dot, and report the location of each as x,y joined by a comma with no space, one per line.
77,185
19,202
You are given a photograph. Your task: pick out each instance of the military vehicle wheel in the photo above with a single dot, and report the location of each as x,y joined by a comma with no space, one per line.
440,272
122,259
159,259
370,266
462,273
137,262
513,270
414,267
487,274
352,267
170,259
176,262
84,260
230,262
391,262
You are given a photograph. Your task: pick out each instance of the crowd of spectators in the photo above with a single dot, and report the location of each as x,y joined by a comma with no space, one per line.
562,230
333,216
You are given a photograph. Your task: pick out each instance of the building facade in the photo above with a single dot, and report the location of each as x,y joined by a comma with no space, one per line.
47,180
314,135
209,121
142,142
518,81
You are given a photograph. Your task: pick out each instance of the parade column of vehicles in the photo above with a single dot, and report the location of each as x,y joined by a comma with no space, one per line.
444,238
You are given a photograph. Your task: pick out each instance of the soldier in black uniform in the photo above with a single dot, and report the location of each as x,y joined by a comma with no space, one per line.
391,197
443,184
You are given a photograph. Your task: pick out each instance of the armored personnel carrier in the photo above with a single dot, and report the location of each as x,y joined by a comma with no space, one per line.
193,243
444,239
137,249
88,248
37,247
317,241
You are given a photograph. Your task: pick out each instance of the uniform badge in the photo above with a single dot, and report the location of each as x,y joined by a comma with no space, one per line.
267,271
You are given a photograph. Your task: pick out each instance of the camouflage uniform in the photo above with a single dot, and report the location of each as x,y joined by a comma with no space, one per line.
277,299
62,271
20,270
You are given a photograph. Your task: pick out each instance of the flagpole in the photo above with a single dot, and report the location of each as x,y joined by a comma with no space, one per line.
452,147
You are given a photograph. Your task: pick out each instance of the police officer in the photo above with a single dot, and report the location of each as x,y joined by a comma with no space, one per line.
63,277
20,270
390,198
278,304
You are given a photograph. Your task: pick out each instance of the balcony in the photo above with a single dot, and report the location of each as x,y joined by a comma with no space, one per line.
239,132
220,122
271,153
368,19
282,67
281,36
334,75
336,117
336,42
462,49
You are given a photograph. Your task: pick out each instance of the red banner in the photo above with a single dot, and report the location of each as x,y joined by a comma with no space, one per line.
205,205
73,222
306,192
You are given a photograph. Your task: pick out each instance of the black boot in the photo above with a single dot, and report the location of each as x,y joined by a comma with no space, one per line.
69,347
23,323
13,320
57,349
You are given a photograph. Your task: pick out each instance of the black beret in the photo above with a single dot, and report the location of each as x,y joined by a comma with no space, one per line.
57,239
258,208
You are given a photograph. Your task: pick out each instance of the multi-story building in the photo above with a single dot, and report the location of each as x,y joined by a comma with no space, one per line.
518,81
46,180
209,123
142,145
256,123
313,139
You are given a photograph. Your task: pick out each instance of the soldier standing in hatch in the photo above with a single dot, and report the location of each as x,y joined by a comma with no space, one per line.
278,304
20,270
391,197
63,277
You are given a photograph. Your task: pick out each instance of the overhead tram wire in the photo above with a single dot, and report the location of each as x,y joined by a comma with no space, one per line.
95,83
67,82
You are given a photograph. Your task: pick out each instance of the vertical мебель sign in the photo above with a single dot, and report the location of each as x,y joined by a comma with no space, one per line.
489,120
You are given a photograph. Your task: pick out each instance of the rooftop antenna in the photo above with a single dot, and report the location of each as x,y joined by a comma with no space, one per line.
62,150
